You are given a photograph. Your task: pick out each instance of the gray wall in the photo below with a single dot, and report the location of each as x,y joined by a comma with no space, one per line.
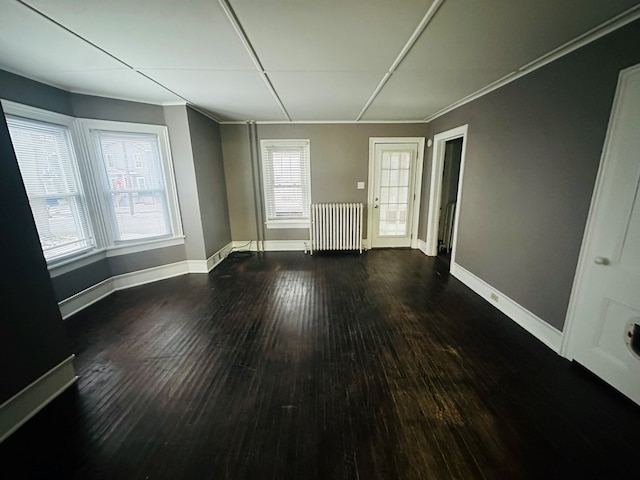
28,92
532,155
237,170
146,259
180,137
70,283
101,108
206,146
339,159
32,337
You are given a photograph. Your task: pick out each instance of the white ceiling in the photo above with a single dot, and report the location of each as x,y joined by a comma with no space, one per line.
311,60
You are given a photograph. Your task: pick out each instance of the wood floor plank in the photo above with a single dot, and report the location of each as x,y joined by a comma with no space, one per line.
287,366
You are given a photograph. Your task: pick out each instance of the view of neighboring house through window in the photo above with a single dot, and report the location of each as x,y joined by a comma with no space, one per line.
286,181
48,166
133,183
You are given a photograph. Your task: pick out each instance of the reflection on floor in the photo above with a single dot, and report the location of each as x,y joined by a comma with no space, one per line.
379,366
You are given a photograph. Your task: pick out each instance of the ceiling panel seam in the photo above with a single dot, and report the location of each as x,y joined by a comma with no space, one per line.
237,26
111,55
431,12
592,35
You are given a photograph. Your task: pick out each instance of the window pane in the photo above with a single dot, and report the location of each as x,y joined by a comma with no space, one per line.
139,215
286,179
47,164
134,183
394,193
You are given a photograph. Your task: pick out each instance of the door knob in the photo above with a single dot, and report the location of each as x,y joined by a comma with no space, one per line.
601,261
375,206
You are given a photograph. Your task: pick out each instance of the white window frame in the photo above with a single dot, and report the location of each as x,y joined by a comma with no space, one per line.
88,170
38,115
301,222
86,126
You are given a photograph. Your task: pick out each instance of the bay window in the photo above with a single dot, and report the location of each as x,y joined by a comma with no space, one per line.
95,185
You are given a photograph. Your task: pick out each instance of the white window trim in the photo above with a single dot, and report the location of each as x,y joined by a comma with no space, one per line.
86,125
285,223
33,113
37,114
105,245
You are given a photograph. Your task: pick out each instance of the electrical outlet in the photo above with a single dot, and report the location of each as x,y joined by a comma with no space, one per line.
360,185
494,297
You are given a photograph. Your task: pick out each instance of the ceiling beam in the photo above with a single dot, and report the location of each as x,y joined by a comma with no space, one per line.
231,15
433,9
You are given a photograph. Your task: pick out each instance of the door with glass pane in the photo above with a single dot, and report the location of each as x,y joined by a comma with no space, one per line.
395,165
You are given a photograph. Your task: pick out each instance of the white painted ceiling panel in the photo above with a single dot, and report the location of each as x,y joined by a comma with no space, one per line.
154,33
32,44
324,95
408,95
239,95
329,35
324,58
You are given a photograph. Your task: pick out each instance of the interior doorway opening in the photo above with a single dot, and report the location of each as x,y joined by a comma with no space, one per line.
449,196
445,193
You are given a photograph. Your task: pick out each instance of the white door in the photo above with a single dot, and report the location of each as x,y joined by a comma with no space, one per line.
605,326
393,194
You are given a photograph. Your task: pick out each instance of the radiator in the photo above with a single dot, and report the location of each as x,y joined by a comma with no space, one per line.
336,226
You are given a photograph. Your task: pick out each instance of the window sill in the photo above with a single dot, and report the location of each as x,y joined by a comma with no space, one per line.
276,225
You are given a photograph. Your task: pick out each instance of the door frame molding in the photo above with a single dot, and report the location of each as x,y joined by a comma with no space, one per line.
435,188
580,279
417,183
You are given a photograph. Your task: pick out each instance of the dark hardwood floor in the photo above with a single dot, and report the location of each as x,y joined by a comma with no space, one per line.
285,366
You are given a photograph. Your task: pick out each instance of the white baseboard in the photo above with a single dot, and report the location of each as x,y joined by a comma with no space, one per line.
219,256
149,275
272,245
33,398
422,246
83,299
537,327
196,266
86,297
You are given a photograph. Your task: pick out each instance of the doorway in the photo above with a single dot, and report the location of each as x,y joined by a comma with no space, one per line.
449,196
603,321
447,169
395,174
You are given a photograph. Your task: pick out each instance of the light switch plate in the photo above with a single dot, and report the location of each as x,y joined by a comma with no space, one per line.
360,185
